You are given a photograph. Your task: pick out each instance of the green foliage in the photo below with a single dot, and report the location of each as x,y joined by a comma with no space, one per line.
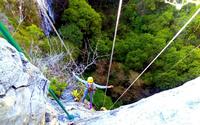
129,13
1,5
35,32
81,14
29,11
153,24
167,80
30,36
72,33
57,86
124,46
103,44
77,94
145,28
136,59
174,68
98,100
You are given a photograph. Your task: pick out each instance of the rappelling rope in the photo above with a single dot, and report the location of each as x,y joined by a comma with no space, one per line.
177,34
113,46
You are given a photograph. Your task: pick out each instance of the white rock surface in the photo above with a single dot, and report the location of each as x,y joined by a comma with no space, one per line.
23,89
179,106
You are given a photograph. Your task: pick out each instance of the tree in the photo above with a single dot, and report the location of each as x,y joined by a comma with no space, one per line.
72,33
81,14
135,59
98,100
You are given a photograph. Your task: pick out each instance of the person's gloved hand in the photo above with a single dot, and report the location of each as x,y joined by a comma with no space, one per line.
110,86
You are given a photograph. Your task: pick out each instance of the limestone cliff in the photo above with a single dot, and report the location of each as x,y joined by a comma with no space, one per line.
23,89
178,106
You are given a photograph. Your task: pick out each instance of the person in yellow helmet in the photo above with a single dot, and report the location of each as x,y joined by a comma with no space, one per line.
90,88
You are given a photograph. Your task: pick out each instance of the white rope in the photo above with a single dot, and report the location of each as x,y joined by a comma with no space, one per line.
177,34
113,46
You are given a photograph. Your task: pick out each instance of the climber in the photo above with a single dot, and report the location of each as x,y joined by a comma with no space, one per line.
90,88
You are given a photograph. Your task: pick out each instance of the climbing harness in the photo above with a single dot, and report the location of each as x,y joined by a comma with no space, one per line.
91,88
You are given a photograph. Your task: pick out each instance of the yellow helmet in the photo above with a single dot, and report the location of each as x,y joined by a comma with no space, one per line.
90,80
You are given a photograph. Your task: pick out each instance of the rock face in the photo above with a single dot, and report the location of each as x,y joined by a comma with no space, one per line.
179,106
23,89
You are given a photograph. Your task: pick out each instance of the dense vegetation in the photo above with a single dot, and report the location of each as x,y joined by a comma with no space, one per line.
145,27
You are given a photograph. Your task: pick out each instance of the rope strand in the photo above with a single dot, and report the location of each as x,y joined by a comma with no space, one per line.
113,46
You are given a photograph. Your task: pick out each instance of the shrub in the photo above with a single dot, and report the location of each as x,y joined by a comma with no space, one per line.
77,94
98,100
57,86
